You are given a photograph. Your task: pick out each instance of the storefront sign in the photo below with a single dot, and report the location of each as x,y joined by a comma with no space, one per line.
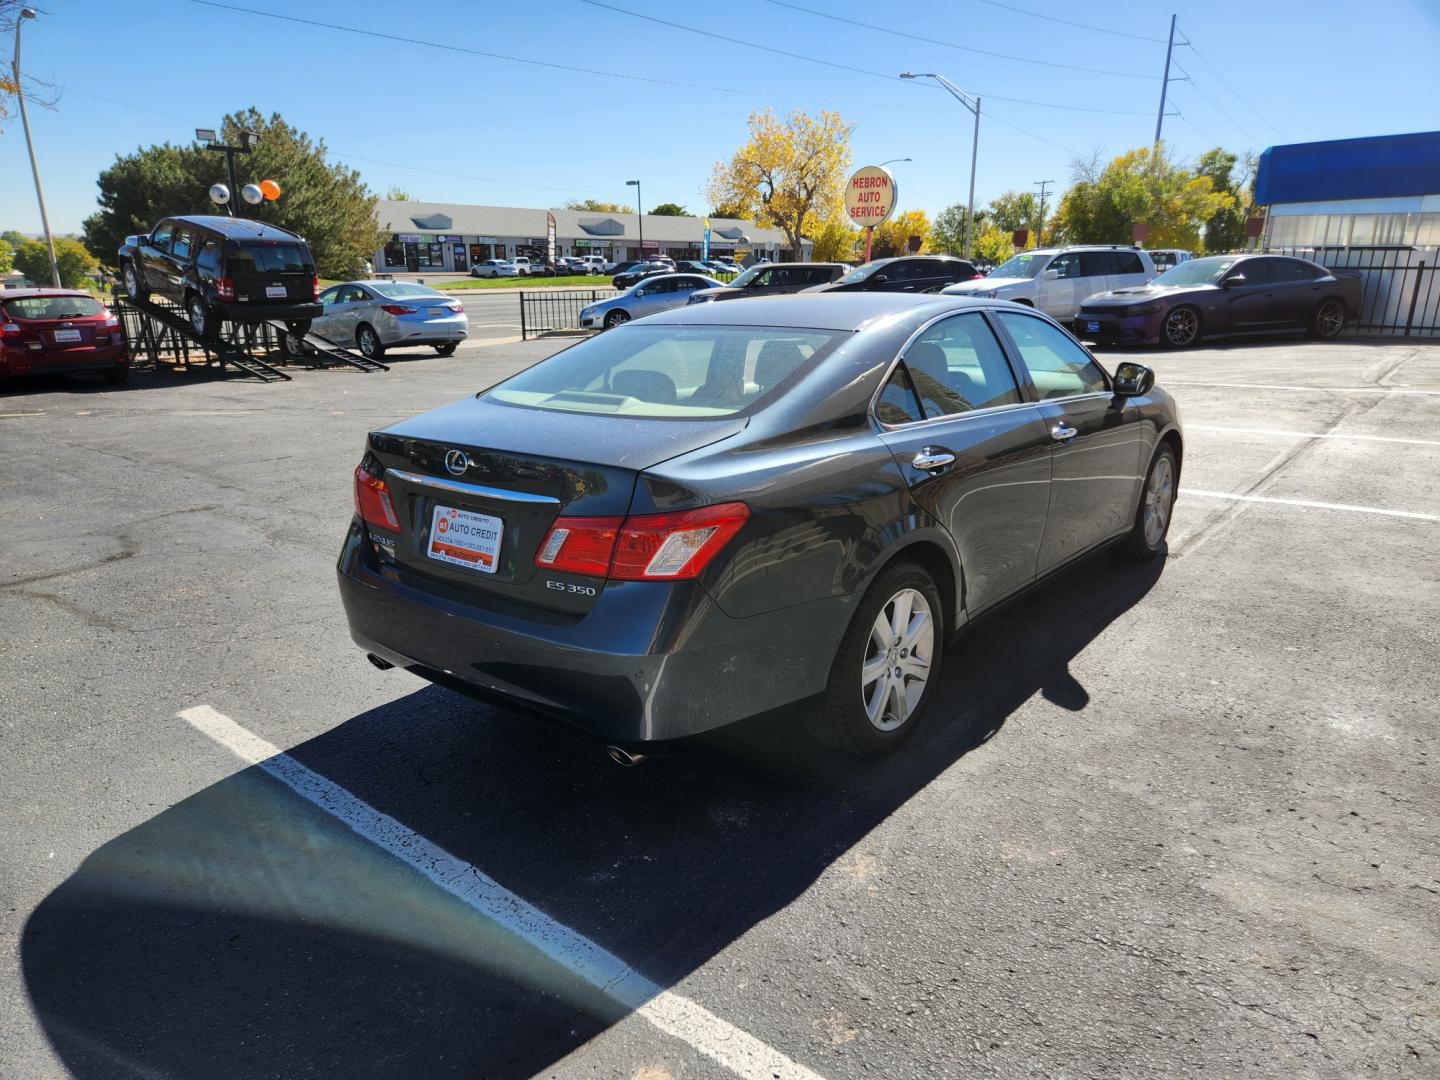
407,238
870,195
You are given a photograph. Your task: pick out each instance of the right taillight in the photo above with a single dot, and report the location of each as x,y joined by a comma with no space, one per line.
398,309
642,547
372,501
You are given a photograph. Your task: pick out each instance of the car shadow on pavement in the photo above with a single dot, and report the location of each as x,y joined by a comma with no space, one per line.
244,933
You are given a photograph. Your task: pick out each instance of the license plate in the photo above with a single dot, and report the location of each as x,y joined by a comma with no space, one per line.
67,335
1093,327
275,292
439,312
465,538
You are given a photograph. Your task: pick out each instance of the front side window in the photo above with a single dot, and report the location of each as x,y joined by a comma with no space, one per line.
670,372
161,239
1058,366
957,366
1067,265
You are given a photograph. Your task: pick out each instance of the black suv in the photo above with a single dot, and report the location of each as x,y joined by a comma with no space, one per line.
224,268
905,273
772,279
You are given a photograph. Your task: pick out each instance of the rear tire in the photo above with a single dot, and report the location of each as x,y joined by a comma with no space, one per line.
117,376
868,709
203,322
1328,320
1181,327
1146,538
448,349
368,341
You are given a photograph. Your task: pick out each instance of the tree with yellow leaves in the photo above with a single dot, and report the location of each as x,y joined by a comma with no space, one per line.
836,241
892,237
791,172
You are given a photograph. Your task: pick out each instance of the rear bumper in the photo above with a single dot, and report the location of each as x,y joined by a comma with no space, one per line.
252,312
650,661
79,361
1117,329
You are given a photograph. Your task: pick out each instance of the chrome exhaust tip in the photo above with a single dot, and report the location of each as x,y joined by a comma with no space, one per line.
625,758
383,665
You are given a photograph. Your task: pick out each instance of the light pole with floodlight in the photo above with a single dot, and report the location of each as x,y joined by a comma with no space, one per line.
973,104
29,13
248,141
640,213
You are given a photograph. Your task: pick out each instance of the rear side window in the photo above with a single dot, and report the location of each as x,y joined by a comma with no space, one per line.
820,275
1058,366
270,258
209,257
180,245
957,366
1292,270
1127,262
670,372
52,307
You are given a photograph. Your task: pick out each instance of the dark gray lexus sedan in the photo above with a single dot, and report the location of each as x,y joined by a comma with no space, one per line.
727,509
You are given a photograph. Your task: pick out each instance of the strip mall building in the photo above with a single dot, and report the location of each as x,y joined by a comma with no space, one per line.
453,237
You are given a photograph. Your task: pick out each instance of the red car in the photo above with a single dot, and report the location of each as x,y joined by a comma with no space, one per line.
44,331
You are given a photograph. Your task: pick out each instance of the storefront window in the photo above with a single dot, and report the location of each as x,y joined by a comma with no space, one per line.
430,254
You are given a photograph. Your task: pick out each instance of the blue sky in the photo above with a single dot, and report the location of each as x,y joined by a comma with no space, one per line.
453,126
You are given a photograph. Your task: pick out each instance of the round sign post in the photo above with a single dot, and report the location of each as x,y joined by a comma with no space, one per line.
870,199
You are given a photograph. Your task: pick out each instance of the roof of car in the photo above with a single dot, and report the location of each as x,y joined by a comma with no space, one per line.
819,311
897,258
12,294
235,228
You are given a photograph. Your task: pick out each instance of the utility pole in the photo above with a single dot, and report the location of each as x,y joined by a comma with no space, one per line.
1165,82
29,13
1040,231
972,103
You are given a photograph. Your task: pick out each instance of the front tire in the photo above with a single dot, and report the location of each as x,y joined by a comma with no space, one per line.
1181,327
616,318
369,343
1157,505
886,668
1328,320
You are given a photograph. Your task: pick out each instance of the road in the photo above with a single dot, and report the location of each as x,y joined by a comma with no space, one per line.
1170,821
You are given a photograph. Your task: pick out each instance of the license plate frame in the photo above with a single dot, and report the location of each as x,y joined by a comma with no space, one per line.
276,292
460,537
440,312
67,337
1092,327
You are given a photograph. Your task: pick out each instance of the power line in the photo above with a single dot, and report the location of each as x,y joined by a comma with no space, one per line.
835,64
1216,106
952,45
1238,96
1067,22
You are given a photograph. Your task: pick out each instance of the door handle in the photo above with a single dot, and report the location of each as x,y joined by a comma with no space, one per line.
1062,433
931,458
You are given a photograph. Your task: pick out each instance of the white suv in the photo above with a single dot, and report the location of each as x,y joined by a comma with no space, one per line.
1057,280
521,264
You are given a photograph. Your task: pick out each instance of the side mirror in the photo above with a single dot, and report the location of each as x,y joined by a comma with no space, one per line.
1232,281
1052,275
1132,380
879,279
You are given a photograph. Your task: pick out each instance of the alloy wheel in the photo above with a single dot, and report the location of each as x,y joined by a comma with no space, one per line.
199,318
615,318
368,341
897,659
1181,326
1330,319
132,282
1159,498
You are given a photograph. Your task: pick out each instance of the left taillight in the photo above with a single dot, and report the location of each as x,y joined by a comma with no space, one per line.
314,287
372,501
642,547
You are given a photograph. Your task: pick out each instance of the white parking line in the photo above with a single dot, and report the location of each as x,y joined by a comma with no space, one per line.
722,1042
1196,492
1309,389
1310,434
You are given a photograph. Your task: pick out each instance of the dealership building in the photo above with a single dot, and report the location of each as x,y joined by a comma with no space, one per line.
1381,191
453,237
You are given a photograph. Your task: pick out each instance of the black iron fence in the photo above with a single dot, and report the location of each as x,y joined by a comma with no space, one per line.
1401,290
543,311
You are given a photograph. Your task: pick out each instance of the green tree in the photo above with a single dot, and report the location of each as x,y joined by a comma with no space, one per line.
7,255
789,173
947,234
595,206
328,204
836,240
993,244
670,209
75,263
1014,210
399,194
893,237
1141,185
1225,229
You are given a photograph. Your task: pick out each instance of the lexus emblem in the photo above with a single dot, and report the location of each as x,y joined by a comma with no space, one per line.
456,463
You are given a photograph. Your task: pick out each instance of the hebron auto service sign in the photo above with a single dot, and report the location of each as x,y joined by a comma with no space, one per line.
870,195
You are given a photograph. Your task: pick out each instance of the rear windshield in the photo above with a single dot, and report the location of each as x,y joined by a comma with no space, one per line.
403,288
670,372
269,258
52,307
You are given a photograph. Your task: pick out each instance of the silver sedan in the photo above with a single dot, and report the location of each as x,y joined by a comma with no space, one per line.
660,292
378,315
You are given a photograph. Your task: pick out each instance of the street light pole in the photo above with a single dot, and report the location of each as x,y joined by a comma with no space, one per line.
973,104
640,213
29,13
248,142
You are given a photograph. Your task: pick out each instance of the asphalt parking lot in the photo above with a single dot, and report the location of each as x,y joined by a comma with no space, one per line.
1175,820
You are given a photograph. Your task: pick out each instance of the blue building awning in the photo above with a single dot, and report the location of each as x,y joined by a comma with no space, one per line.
1381,166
